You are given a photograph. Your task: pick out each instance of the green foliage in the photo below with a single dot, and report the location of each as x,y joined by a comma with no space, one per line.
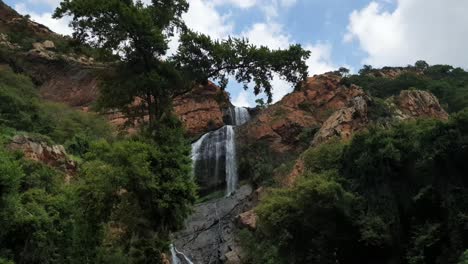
449,84
324,157
256,163
308,223
22,110
20,107
131,195
463,258
34,212
396,195
261,103
206,59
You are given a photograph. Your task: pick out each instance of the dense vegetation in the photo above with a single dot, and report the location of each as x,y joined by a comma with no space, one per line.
127,197
395,195
447,83
129,193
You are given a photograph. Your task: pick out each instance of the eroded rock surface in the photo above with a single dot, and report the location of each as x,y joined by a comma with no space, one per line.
209,235
40,151
202,109
411,104
281,124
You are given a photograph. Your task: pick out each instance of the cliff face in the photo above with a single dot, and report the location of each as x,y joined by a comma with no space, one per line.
73,78
282,124
203,109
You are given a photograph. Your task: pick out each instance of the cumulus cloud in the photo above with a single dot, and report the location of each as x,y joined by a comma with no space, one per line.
238,3
432,30
57,25
267,34
203,17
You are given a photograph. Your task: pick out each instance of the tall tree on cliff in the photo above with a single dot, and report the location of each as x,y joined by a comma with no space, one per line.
139,35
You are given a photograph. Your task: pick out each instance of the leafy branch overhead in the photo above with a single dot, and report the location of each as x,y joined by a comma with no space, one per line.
208,59
139,34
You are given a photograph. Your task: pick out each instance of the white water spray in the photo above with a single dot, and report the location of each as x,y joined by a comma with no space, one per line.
179,257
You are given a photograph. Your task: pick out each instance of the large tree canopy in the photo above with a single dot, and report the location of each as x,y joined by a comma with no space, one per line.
139,35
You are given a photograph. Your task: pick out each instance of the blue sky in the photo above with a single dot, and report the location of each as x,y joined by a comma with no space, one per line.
339,33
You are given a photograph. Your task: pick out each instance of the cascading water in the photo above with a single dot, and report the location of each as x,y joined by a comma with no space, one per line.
214,160
231,161
215,163
240,115
179,257
214,155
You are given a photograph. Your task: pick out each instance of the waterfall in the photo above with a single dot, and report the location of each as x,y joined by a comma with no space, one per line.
239,115
231,162
214,155
214,163
176,257
214,160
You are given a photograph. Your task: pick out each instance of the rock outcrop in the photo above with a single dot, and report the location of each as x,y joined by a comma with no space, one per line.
345,122
411,104
203,109
281,124
40,151
248,220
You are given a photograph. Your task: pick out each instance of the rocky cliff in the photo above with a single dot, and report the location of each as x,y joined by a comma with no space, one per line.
308,108
73,78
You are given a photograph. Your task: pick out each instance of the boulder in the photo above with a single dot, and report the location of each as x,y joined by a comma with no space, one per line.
41,151
411,104
232,257
248,220
345,122
48,44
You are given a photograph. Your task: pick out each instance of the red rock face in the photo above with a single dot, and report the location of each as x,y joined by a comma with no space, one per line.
202,109
281,124
51,155
416,104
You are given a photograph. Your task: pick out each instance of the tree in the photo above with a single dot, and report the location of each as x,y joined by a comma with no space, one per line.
421,65
260,103
143,82
138,34
344,72
208,59
366,69
130,197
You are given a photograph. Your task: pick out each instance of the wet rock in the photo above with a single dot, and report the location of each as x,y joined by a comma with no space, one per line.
210,232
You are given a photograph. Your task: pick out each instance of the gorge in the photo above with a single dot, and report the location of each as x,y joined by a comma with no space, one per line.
346,168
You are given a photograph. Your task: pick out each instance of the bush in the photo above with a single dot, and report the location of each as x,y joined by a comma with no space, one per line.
309,223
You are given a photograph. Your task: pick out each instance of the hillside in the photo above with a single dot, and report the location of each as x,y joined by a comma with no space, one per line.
347,168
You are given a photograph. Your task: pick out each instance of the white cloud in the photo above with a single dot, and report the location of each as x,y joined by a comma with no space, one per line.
57,25
267,34
50,3
238,3
203,17
320,58
432,30
244,98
